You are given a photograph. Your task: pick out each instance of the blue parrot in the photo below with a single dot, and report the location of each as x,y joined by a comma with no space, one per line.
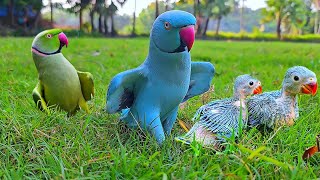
149,95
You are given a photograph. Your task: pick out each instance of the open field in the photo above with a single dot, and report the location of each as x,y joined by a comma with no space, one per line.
36,145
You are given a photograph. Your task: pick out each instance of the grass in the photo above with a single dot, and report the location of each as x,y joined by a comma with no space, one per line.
96,146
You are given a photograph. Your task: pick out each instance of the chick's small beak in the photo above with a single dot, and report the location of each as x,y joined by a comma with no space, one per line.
63,39
310,88
187,36
257,90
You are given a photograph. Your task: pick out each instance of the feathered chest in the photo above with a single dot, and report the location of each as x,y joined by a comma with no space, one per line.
286,110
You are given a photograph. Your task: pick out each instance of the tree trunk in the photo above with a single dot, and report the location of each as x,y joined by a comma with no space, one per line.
26,20
195,8
133,33
80,18
167,5
198,8
100,23
241,16
92,20
51,13
157,9
199,16
206,27
279,26
106,28
36,20
11,15
218,25
316,22
113,31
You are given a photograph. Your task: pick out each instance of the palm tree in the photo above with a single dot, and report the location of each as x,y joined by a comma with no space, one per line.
241,16
51,12
157,9
133,33
316,18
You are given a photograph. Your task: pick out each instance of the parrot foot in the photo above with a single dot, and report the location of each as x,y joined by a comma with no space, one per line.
169,121
83,105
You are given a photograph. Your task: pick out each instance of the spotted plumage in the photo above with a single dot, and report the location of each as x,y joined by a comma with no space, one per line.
281,107
221,118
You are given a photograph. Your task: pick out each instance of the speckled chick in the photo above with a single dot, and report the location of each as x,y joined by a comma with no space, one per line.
220,118
280,107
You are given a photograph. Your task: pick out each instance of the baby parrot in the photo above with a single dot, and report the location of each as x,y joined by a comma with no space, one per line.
280,107
220,118
60,84
149,95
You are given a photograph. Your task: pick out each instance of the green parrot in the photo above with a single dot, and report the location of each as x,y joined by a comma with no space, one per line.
60,84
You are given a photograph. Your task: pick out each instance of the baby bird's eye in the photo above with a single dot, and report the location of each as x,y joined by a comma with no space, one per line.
250,83
167,25
296,78
49,36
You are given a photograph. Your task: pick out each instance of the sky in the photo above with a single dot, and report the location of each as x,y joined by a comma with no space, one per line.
128,7
141,4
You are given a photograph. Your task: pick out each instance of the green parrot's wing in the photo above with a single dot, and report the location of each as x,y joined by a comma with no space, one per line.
38,97
200,79
87,85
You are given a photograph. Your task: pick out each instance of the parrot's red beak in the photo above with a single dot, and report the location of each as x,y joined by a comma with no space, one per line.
310,88
63,39
187,36
257,90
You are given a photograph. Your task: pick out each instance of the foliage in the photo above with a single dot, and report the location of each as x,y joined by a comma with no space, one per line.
145,19
222,7
77,5
259,36
287,13
96,146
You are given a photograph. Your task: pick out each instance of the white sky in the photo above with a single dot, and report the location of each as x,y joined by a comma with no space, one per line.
128,7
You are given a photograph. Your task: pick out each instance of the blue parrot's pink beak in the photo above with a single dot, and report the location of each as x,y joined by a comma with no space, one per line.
63,39
187,36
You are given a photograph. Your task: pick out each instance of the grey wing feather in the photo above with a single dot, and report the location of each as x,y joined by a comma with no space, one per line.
263,109
220,117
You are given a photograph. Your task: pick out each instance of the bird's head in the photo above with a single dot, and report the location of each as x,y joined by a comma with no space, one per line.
299,79
49,42
173,31
245,85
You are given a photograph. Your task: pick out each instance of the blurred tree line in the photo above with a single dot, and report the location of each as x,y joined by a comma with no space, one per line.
285,16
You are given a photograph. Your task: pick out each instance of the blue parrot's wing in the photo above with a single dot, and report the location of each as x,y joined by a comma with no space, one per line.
200,79
122,89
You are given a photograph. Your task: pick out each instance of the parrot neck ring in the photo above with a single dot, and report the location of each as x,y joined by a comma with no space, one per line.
181,48
34,49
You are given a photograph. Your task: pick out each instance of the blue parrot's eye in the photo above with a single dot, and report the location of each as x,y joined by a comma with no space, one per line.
296,78
167,25
49,36
250,83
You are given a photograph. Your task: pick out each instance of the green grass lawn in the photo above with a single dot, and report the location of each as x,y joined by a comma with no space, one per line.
36,145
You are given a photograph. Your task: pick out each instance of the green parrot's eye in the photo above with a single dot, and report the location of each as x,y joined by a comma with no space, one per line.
167,25
49,36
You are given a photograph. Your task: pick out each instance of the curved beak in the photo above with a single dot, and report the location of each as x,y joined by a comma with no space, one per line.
187,36
310,88
63,39
257,90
